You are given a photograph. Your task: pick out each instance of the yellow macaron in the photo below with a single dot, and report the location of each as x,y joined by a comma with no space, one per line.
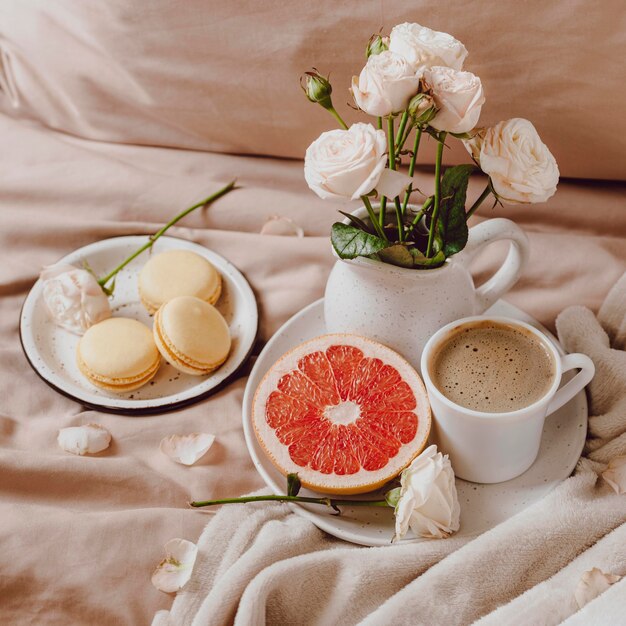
192,335
178,273
118,354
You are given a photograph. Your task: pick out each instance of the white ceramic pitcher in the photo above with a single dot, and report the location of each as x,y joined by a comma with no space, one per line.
402,307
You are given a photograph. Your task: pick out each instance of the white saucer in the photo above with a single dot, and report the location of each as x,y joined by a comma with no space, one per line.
482,506
51,350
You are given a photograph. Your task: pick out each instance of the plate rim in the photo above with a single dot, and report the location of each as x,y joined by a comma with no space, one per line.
320,521
157,408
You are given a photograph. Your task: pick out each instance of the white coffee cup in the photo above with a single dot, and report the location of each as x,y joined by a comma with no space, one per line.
494,447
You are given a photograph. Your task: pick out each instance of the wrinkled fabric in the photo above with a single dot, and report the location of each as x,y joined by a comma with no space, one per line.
223,76
82,536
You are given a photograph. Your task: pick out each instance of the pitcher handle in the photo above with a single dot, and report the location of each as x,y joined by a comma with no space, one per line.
487,232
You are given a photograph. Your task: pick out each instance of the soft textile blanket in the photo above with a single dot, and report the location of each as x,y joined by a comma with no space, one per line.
261,563
81,536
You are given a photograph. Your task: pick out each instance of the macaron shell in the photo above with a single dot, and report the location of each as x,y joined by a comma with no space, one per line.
178,273
118,354
193,334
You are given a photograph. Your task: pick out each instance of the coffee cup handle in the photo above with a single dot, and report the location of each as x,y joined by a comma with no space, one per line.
579,382
488,232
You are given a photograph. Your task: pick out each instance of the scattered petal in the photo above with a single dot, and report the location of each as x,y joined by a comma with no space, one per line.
592,583
174,571
615,474
186,449
87,439
282,226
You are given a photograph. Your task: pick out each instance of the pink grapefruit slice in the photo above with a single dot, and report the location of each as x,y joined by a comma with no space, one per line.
347,414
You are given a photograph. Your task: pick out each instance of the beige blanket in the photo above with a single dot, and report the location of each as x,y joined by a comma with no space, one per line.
81,536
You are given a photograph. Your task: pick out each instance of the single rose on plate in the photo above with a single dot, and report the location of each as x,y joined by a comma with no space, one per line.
521,167
385,85
459,98
427,501
73,298
424,48
346,163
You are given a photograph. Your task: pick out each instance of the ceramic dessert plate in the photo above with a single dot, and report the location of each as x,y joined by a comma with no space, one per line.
52,350
482,506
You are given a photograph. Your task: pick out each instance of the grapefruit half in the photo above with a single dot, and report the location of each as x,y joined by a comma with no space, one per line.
346,413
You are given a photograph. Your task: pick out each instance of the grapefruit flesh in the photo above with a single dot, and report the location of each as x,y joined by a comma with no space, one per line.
345,413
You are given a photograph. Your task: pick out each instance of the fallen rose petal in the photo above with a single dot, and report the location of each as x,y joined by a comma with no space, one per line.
615,474
592,583
186,449
87,439
174,571
282,226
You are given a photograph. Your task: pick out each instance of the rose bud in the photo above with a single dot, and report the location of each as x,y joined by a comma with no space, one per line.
376,45
422,108
73,298
317,88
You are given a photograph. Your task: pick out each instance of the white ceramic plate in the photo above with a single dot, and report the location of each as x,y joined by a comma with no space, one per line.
482,506
51,350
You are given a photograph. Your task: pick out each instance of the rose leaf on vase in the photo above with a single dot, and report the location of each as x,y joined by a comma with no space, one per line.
350,242
452,219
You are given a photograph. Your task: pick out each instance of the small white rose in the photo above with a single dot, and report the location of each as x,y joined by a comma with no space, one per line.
428,502
175,570
87,439
346,163
424,48
615,474
459,97
281,226
521,168
186,449
592,584
385,85
73,298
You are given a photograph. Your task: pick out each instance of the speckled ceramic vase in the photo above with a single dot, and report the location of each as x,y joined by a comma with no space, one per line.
402,308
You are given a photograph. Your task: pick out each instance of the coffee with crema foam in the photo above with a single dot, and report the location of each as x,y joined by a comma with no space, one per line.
492,367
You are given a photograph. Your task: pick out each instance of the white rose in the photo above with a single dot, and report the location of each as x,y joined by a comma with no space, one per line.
346,163
385,85
459,97
521,167
424,48
73,298
428,502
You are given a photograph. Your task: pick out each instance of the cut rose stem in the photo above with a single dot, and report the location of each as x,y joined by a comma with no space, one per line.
479,201
218,194
324,501
416,145
392,166
433,223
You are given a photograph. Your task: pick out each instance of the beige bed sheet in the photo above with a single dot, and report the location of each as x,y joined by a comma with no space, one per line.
80,536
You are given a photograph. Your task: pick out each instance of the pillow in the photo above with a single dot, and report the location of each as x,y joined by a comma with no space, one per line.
223,76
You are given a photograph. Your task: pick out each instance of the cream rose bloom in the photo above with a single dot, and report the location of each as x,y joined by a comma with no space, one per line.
521,168
385,85
424,48
459,97
346,163
73,298
428,502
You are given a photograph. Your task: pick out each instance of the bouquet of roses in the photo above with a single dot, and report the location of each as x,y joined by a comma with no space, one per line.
413,84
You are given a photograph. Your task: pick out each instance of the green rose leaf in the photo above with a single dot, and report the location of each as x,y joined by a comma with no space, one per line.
293,484
393,496
421,260
452,221
350,242
396,255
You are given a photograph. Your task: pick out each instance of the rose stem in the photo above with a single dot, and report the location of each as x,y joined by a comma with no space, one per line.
324,501
380,123
433,223
416,145
419,216
400,133
333,112
370,211
392,166
218,194
478,202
